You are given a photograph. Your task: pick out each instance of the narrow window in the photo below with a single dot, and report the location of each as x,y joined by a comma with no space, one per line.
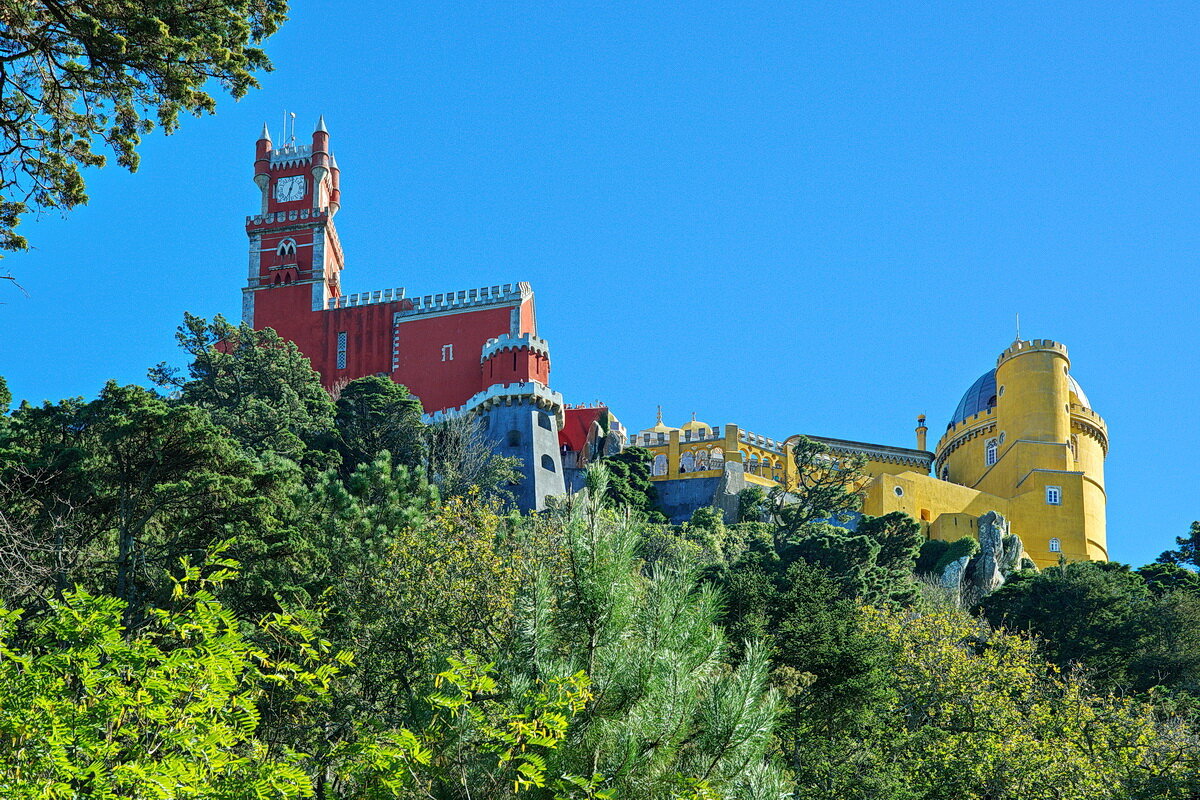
514,360
514,438
447,352
544,420
1055,546
1054,495
992,452
660,465
548,463
341,351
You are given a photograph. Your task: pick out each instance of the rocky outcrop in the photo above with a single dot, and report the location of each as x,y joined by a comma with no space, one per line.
1000,554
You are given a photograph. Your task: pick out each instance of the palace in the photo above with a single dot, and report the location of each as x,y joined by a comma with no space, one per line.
1023,440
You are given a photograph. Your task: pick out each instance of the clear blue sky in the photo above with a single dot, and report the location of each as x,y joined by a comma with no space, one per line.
812,218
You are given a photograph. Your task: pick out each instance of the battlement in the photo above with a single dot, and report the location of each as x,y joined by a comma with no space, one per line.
526,341
530,392
291,155
319,214
1019,347
760,441
468,298
366,298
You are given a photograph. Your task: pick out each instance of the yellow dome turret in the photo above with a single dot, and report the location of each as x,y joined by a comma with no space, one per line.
693,425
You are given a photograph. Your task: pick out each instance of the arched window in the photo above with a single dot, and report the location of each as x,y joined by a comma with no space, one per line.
286,248
548,463
702,460
1055,546
514,438
991,452
718,457
945,473
687,463
544,420
660,465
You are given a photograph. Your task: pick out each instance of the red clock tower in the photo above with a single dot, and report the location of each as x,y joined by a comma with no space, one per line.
470,352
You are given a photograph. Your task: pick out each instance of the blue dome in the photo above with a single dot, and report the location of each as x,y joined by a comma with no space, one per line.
980,397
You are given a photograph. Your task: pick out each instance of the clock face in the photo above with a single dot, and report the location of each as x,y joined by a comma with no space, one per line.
289,189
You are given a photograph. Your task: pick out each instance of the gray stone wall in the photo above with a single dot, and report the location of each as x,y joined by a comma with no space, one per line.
530,433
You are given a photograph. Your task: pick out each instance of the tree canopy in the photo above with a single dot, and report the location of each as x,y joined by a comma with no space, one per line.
78,78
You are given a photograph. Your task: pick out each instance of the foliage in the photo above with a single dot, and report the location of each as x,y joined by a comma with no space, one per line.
111,493
1106,618
980,715
930,556
669,716
259,387
753,505
629,483
1189,548
827,488
93,710
966,547
461,460
73,72
374,415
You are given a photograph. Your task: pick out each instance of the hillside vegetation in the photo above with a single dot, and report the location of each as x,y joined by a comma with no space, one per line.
237,586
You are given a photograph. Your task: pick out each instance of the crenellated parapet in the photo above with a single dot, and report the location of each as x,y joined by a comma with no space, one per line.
295,215
505,342
1018,348
366,298
1089,423
528,392
291,155
507,293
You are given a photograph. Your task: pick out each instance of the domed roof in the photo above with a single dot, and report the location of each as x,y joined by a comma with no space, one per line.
980,397
693,425
1077,390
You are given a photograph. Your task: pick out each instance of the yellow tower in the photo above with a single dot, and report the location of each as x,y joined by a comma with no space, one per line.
1025,432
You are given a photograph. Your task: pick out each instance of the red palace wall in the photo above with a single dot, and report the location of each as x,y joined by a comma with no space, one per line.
435,352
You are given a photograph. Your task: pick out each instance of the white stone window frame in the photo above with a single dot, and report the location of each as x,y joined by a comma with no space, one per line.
342,342
991,452
1054,495
447,352
1056,545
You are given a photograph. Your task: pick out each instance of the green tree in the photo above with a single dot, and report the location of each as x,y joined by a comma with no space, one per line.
827,488
261,388
375,414
1188,551
628,482
93,710
74,72
111,493
461,460
1089,613
670,717
979,714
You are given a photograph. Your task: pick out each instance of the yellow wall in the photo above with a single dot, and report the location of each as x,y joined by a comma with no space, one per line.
1045,438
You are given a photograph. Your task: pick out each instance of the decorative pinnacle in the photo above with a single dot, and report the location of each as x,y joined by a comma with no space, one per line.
266,134
321,125
660,415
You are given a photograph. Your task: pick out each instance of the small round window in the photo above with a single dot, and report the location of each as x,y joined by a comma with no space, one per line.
899,490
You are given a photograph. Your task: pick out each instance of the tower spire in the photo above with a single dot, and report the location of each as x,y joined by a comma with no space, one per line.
266,134
321,125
